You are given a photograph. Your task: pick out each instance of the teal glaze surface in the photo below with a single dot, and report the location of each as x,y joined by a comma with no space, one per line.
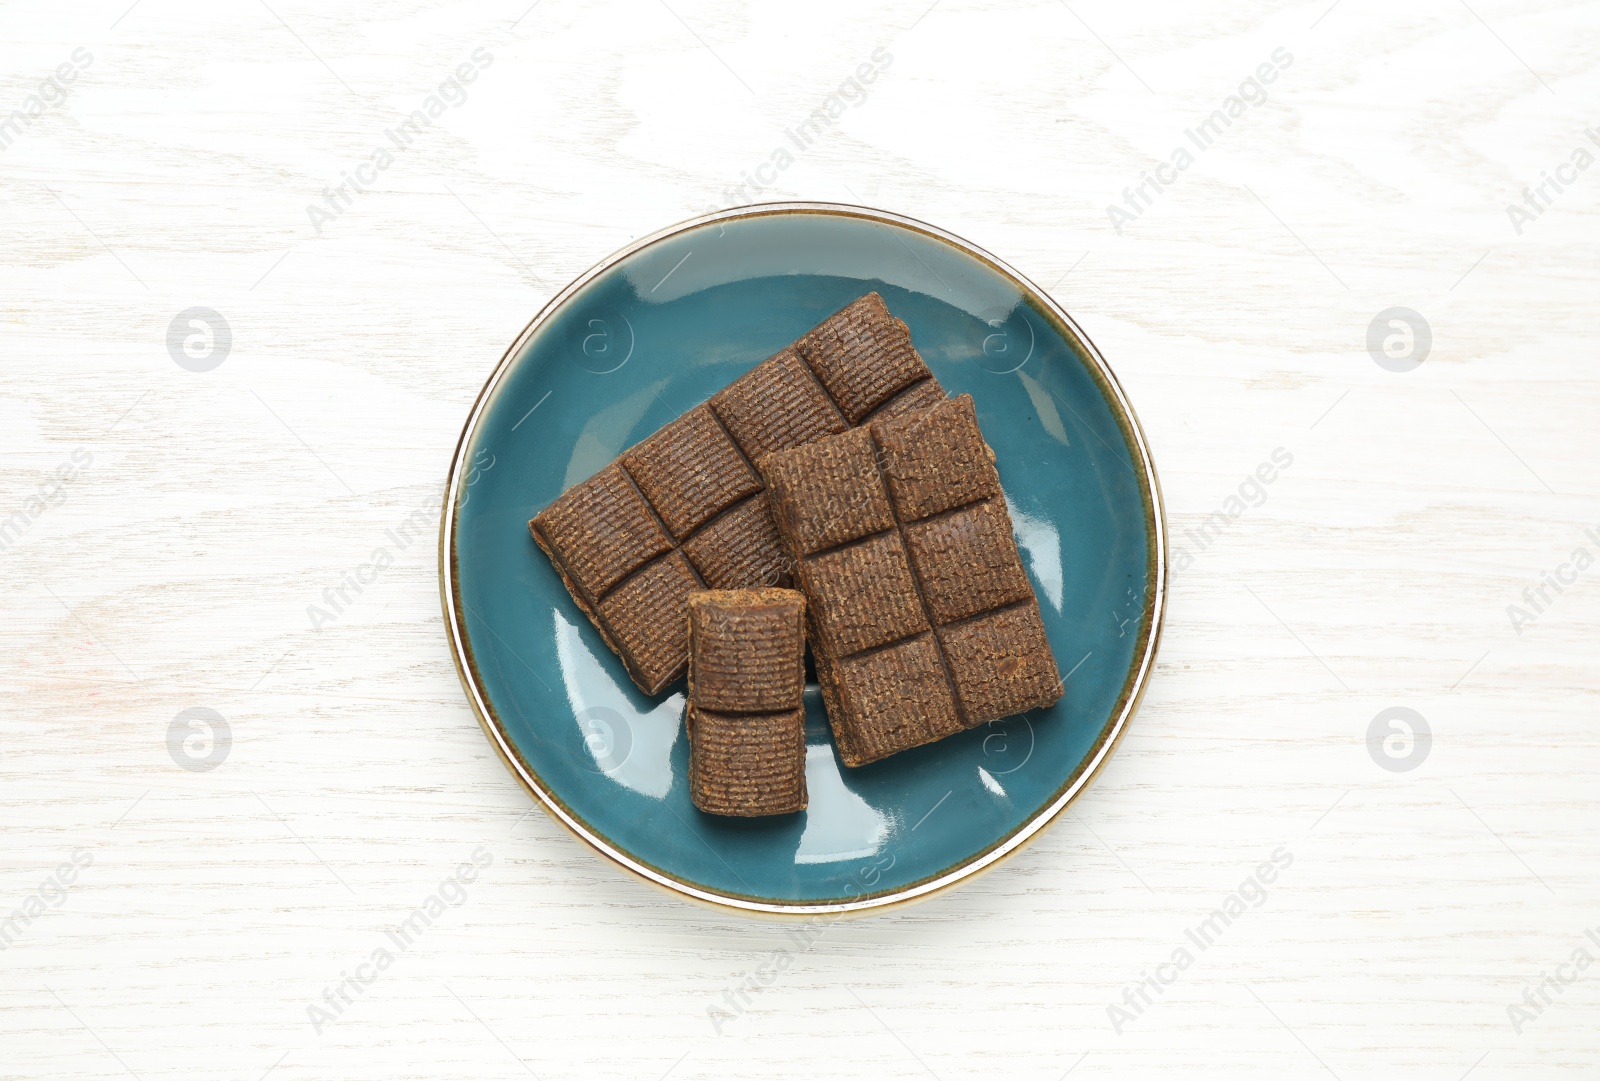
657,334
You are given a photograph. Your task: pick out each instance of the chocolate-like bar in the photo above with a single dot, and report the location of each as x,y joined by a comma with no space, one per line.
684,509
922,620
746,715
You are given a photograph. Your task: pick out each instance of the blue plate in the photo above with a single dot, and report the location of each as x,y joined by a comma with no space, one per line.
655,330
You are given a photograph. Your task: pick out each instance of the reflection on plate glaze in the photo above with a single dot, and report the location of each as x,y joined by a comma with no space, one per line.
824,246
1041,541
606,433
631,747
1044,404
840,825
990,783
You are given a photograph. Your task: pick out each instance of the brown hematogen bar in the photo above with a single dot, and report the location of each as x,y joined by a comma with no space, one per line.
746,715
922,620
685,510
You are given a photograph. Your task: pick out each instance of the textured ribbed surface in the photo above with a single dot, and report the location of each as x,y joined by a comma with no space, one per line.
863,594
645,614
891,700
863,356
746,715
747,649
603,530
748,764
966,561
687,496
1001,663
739,548
888,682
776,405
918,396
836,498
689,470
935,460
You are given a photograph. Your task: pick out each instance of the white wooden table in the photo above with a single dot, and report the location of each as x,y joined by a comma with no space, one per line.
1430,886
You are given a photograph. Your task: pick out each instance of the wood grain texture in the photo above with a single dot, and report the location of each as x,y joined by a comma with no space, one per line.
175,569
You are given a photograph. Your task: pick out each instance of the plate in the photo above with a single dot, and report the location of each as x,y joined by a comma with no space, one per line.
655,330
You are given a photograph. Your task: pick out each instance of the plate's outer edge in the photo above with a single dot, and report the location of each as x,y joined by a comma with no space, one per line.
1111,734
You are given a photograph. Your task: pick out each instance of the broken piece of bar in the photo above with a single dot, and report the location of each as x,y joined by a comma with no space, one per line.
746,715
922,620
684,509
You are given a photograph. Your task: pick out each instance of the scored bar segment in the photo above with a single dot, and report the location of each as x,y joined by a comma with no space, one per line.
923,621
746,715
685,510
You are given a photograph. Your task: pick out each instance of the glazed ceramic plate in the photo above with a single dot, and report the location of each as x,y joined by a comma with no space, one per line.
655,330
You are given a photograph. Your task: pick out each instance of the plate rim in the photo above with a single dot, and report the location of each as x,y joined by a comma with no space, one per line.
1128,700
